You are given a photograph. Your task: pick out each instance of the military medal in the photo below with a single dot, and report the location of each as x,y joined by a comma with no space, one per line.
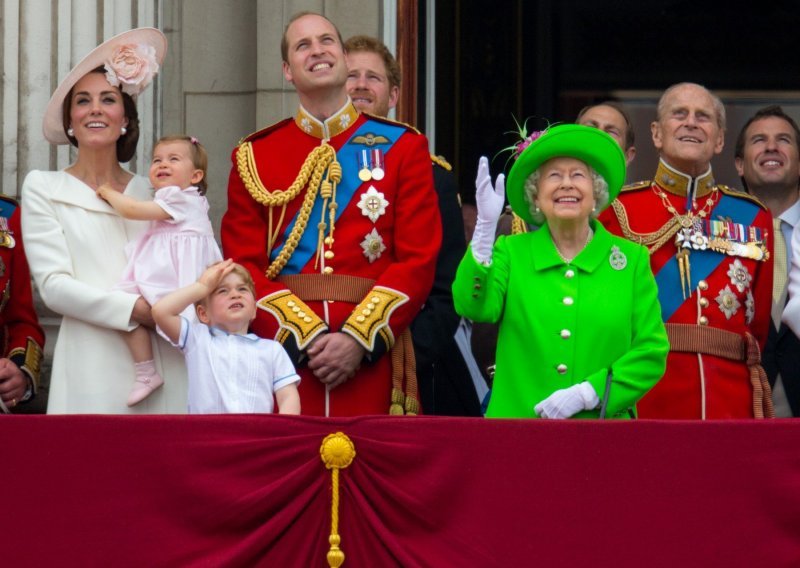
684,238
749,307
364,173
736,239
698,238
377,164
6,238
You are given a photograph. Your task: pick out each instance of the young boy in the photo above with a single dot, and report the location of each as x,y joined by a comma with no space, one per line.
230,370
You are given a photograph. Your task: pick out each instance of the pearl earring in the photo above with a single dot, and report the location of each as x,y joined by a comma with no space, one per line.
536,209
123,131
70,132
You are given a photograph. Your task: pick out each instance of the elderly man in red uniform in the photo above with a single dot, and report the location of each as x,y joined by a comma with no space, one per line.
710,252
335,215
21,337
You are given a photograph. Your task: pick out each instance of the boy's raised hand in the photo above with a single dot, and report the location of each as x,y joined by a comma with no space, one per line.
214,274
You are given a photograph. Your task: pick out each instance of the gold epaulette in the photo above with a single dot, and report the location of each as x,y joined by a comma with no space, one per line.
441,162
733,192
390,121
636,185
264,131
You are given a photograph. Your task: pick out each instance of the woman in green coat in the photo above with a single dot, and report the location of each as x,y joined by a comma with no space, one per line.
580,327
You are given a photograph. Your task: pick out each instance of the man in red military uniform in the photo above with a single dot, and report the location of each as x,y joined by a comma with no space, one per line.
711,254
335,215
443,371
21,337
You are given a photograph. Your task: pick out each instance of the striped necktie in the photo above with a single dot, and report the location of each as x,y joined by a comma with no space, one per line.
780,266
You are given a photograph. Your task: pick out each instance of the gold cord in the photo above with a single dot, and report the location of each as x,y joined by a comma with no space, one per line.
655,240
688,219
319,159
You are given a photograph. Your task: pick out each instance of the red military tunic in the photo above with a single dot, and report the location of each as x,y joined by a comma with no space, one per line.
707,291
375,270
21,337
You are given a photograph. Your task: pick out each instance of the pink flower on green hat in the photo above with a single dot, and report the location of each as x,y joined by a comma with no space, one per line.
524,139
525,142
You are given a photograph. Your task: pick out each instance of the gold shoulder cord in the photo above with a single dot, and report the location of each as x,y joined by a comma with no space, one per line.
653,241
318,161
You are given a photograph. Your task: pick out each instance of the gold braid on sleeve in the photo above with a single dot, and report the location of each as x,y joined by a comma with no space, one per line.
311,172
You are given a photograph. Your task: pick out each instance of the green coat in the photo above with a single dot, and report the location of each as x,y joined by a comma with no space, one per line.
560,325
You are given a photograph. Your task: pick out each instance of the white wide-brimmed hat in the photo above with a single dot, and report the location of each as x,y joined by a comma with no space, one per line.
131,60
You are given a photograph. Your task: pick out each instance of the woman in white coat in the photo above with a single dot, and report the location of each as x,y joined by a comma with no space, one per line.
76,242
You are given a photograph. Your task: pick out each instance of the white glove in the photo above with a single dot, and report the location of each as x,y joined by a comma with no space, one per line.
490,201
568,402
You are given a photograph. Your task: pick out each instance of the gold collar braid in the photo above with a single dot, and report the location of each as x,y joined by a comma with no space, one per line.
320,159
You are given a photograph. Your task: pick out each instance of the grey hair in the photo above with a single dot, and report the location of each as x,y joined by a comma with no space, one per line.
719,108
599,191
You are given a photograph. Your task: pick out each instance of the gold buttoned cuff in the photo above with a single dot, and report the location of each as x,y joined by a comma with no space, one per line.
371,317
294,316
29,360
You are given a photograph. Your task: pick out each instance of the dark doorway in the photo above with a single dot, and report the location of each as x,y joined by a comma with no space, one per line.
546,59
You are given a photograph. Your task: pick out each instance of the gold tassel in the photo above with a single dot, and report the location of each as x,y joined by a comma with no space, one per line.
396,408
329,206
337,452
684,270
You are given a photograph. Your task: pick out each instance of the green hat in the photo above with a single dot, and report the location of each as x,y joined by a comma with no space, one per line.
589,145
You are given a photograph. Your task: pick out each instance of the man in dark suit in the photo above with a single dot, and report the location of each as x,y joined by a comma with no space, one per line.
768,163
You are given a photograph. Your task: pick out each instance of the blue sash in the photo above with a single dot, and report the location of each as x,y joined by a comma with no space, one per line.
347,156
7,208
703,262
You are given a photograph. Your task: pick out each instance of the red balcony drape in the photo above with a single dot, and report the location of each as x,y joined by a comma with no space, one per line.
246,491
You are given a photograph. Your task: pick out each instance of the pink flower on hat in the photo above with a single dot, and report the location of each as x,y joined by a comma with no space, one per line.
525,142
131,67
523,139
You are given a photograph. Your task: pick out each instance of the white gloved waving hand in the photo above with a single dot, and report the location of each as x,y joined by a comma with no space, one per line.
490,201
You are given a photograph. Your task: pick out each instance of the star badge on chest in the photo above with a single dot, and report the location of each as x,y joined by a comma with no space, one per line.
727,301
372,204
739,275
372,245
